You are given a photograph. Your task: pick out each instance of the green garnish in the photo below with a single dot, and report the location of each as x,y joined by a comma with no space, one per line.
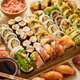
32,57
35,30
55,7
36,14
47,10
61,2
78,26
33,22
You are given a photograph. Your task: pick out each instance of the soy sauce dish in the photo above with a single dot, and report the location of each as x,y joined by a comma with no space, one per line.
8,65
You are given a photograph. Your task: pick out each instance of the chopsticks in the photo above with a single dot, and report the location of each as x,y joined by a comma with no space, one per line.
8,76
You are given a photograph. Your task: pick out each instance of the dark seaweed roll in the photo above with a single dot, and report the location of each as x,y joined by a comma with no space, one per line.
26,29
22,24
19,31
18,19
11,22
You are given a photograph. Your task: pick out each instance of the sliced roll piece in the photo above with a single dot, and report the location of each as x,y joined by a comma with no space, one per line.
58,48
70,30
14,42
74,34
10,36
76,23
73,17
19,31
38,60
58,19
67,43
53,28
65,24
18,19
43,53
68,12
47,24
50,50
44,18
58,34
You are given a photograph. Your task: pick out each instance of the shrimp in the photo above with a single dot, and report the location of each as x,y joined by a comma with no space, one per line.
51,75
37,78
64,69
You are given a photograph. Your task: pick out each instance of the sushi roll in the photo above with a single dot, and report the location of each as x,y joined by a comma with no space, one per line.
58,34
47,39
10,36
77,41
28,18
54,13
50,50
33,39
58,48
26,43
43,53
36,45
15,50
26,29
14,42
68,12
58,19
22,24
76,23
67,43
18,19
64,8
70,30
39,13
73,17
44,18
19,31
53,28
11,22
38,60
3,26
23,36
29,49
5,32
74,34
65,24
47,24
38,28
15,27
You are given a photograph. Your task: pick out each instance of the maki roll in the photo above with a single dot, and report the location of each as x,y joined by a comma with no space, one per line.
18,19
47,24
19,31
50,50
58,34
58,48
15,27
5,32
26,29
73,17
29,49
23,36
68,12
53,28
70,30
11,22
14,42
67,43
65,24
36,45
38,28
64,8
10,36
33,39
54,13
76,23
15,50
22,24
46,39
39,13
44,18
74,34
26,43
38,60
58,19
43,53
77,41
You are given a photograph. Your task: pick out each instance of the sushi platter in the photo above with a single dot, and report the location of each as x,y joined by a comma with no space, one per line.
39,37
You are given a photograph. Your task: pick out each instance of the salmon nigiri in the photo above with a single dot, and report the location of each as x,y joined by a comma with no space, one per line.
64,69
